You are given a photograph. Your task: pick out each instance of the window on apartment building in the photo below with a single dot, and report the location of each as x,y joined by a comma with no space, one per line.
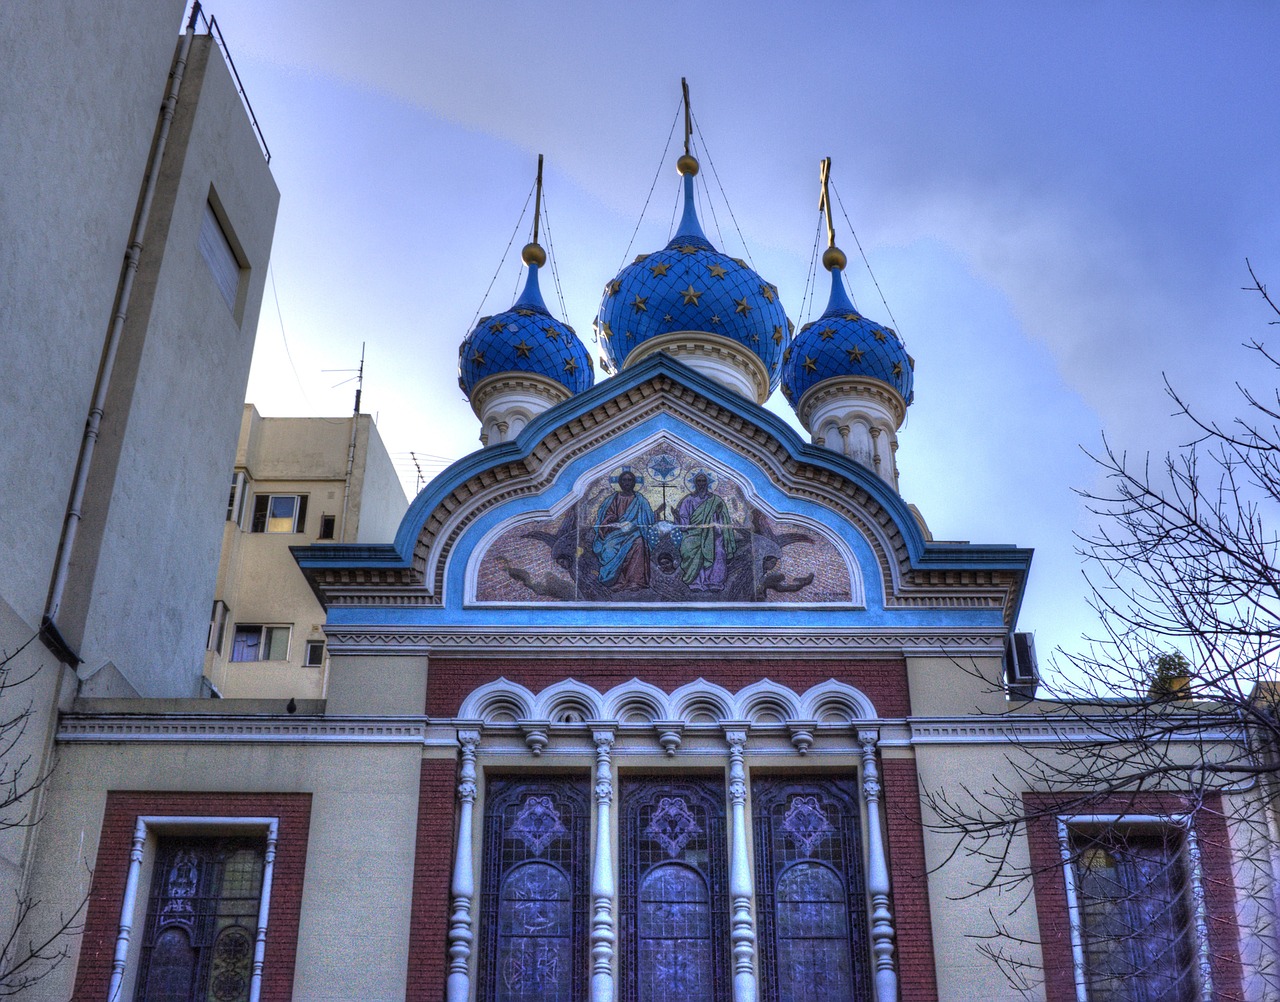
533,944
217,626
1133,914
315,654
235,500
328,524
260,643
202,920
219,255
279,513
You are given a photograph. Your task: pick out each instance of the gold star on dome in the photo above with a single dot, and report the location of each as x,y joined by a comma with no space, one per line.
897,368
786,389
496,326
666,318
554,335
809,364
802,329
879,335
613,288
640,257
911,362
691,295
590,364
639,304
715,318
855,355
524,311
827,333
630,336
522,349
717,271
742,306
755,338
659,269
852,316
786,355
791,328
777,335
478,358
768,291
739,262
570,366
687,249
606,330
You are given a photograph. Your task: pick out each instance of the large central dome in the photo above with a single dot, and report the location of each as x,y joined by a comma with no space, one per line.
691,301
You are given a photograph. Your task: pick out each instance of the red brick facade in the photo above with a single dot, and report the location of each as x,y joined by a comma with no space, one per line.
450,680
102,920
909,880
432,863
1051,893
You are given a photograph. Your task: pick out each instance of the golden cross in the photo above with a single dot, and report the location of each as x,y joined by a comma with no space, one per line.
537,203
824,201
688,117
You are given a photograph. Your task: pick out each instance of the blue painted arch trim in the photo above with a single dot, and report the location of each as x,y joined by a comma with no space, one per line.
921,555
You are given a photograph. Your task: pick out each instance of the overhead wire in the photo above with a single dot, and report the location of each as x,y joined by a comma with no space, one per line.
275,294
810,278
551,256
662,160
716,174
874,280
498,270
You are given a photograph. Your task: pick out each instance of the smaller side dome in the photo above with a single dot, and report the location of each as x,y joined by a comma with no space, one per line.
520,362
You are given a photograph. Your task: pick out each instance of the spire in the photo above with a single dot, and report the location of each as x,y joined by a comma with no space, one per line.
687,165
533,255
833,258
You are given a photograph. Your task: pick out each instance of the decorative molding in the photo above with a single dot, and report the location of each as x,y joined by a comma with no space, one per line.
77,727
752,642
1025,728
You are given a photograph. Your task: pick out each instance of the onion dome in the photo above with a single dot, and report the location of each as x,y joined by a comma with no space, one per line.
849,378
691,301
519,363
842,342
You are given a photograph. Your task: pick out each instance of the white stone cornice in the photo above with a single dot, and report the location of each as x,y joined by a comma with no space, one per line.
1050,729
234,728
782,644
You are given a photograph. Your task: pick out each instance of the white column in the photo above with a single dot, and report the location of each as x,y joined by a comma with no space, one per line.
463,888
742,930
886,975
602,928
126,910
264,911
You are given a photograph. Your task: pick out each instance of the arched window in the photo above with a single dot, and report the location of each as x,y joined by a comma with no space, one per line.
534,896
674,903
810,891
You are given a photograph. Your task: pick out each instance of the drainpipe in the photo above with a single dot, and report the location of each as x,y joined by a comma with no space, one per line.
66,544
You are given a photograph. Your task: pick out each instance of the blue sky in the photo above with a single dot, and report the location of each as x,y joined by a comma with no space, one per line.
1057,200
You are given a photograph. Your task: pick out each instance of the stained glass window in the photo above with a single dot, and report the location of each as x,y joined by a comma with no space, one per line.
534,893
202,918
1134,914
673,906
810,892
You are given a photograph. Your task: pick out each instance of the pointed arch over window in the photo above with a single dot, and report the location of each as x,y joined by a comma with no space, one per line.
810,891
534,897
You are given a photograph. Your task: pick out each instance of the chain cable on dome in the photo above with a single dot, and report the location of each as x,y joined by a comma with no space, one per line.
551,258
702,144
874,280
810,278
498,270
656,174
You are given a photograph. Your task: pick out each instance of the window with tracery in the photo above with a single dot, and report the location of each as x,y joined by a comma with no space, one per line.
534,894
1134,916
202,918
673,905
810,898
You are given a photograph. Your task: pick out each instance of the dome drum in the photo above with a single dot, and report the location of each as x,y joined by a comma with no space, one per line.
857,417
505,403
730,364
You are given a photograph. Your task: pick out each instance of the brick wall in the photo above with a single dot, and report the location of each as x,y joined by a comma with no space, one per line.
432,866
450,680
909,881
102,920
1051,893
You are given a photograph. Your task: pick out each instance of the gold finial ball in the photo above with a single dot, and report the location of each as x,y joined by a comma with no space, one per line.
687,165
833,258
533,254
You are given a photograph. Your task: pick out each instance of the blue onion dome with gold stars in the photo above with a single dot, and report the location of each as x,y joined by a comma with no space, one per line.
842,342
525,338
691,286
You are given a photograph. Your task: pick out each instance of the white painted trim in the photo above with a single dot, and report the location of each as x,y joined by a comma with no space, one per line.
1195,886
149,824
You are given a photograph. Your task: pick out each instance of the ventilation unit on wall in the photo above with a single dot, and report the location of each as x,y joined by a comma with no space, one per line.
1020,670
